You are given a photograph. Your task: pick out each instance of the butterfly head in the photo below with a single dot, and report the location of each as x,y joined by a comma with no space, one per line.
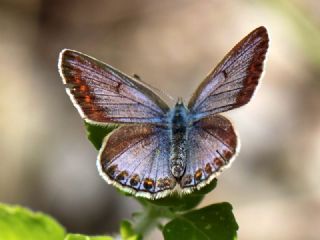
180,102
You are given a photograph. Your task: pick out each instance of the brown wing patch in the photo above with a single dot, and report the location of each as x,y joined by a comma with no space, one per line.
232,83
103,94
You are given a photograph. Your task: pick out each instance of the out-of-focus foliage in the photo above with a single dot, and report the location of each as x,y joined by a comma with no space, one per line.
17,223
84,237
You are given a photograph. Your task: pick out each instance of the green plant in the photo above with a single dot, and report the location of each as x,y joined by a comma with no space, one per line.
175,215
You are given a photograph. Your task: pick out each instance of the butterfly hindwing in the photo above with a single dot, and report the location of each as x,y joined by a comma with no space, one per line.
232,83
103,94
212,145
135,158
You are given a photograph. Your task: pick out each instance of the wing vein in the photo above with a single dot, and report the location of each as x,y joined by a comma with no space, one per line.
227,91
128,148
224,67
126,97
218,138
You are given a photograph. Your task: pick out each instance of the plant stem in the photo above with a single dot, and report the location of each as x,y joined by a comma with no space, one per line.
145,221
150,217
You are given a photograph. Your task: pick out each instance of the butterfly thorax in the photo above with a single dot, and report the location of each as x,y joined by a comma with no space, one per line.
178,135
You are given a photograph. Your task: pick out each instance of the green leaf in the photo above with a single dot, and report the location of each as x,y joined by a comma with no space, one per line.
206,189
127,232
178,203
17,223
215,222
185,202
97,133
84,237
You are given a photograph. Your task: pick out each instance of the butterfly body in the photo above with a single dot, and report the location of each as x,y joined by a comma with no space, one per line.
179,126
156,150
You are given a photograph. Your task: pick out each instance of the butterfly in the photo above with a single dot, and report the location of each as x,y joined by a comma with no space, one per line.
158,150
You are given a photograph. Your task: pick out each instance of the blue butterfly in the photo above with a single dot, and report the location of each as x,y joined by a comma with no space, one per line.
158,150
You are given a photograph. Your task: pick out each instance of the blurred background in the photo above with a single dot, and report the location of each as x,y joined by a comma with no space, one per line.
47,163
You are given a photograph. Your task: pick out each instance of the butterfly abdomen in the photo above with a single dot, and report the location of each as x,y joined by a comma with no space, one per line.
178,151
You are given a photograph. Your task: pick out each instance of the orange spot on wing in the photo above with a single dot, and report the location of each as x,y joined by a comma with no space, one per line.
227,154
208,168
87,99
198,175
134,180
148,183
111,171
77,78
83,88
122,176
218,162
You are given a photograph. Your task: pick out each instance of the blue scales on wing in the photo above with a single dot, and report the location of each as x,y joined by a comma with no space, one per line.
103,94
212,145
135,159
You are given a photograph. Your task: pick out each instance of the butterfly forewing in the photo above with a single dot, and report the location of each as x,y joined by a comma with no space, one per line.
232,83
103,94
214,144
135,158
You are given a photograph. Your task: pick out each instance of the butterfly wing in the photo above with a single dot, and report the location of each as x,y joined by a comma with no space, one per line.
232,83
214,144
103,94
135,158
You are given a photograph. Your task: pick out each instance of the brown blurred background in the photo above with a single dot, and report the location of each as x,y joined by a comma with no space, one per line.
47,163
